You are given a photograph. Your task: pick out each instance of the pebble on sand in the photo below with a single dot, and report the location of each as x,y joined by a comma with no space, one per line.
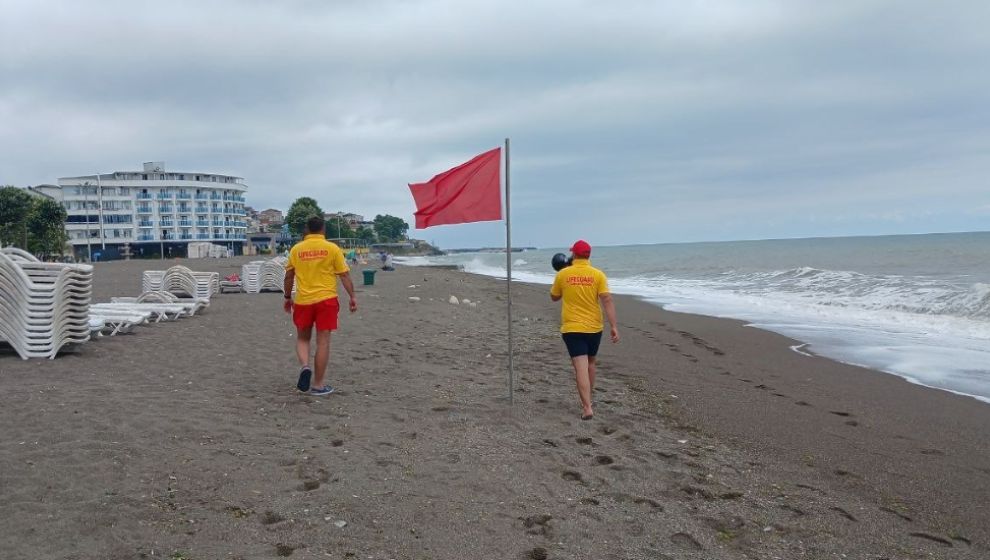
454,301
413,298
340,524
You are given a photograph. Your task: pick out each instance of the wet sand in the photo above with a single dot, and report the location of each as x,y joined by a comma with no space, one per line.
711,440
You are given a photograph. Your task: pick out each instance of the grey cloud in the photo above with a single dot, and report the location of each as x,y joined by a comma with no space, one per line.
669,121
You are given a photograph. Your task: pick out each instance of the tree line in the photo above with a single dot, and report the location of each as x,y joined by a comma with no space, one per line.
385,228
33,223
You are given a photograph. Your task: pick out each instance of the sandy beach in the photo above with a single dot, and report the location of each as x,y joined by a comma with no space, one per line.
712,440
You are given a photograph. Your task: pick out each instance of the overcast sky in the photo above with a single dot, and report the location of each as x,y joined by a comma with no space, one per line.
631,121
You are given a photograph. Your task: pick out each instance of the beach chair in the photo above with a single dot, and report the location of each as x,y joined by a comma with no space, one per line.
113,322
43,306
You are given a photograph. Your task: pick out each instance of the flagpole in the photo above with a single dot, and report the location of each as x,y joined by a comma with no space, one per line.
508,266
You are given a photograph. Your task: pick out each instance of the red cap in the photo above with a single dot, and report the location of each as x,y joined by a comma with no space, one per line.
581,249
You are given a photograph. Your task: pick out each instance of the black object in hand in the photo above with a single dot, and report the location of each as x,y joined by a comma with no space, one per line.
560,262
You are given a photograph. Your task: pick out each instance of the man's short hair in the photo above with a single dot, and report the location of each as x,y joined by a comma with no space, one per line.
315,224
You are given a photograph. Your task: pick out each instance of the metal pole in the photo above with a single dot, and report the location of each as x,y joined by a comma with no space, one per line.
508,267
99,198
89,247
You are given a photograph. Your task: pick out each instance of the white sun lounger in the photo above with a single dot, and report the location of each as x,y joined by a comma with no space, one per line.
117,322
159,311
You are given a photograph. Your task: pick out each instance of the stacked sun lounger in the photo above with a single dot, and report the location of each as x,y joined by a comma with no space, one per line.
273,274
179,279
251,277
43,306
258,276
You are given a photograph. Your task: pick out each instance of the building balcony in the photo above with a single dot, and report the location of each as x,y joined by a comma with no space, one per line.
185,223
216,209
240,224
164,196
166,223
202,223
166,208
202,196
201,209
144,209
215,197
144,196
186,236
184,196
203,236
146,224
146,238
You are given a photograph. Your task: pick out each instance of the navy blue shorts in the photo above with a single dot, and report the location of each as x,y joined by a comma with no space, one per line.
582,344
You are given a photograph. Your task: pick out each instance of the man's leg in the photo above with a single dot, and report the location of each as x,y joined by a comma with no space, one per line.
322,357
592,360
580,364
302,345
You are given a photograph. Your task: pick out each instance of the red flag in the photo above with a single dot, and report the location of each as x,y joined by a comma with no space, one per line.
469,192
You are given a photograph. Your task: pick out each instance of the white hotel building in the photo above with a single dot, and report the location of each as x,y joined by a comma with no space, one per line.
152,211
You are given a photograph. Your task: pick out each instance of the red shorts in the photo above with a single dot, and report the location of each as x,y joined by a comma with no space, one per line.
323,314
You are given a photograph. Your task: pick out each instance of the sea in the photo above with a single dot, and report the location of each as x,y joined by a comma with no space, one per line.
916,306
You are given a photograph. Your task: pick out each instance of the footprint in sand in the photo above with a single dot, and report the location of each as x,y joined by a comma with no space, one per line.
844,513
585,440
840,413
271,518
607,430
933,538
309,485
603,460
897,513
284,550
685,540
572,476
649,502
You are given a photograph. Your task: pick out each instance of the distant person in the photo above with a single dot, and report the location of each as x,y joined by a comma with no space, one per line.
584,290
388,263
314,266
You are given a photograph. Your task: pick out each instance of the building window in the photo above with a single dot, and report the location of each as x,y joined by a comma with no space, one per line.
144,176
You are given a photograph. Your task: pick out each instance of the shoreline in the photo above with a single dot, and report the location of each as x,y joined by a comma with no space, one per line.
798,347
711,440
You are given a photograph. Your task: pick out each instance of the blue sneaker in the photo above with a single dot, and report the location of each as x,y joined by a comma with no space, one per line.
320,391
305,376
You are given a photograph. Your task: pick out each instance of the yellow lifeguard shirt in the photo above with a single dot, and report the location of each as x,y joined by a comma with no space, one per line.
580,285
317,263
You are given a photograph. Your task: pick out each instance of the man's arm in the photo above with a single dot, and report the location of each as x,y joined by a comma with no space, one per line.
555,298
609,305
287,282
345,279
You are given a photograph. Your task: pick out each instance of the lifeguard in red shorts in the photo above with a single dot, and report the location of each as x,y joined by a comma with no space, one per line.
314,266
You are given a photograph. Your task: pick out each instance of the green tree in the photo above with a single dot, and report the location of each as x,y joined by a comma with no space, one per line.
366,234
46,224
301,210
15,205
339,228
390,229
